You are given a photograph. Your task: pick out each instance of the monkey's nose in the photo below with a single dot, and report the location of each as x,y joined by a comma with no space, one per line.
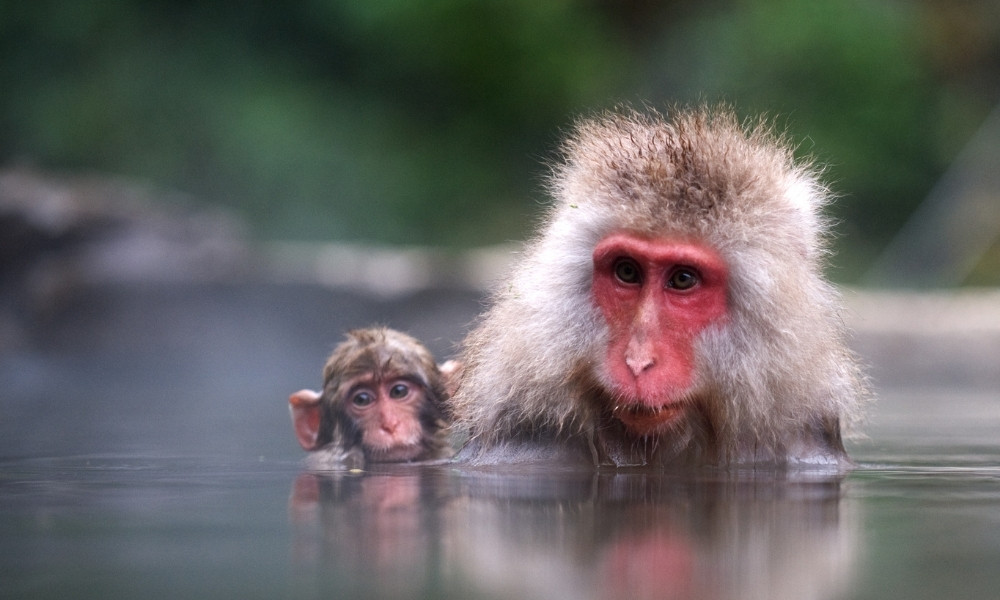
639,364
640,353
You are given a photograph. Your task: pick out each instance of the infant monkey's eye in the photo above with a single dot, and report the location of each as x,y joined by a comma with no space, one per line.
362,399
398,391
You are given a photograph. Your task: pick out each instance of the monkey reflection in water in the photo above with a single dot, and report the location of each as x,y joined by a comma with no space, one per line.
433,531
382,401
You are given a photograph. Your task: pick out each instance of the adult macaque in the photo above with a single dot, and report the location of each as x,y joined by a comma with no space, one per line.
382,401
672,309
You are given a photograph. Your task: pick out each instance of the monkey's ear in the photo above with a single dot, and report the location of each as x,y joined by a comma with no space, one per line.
306,416
451,373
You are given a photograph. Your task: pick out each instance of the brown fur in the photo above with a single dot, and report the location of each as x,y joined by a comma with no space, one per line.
773,383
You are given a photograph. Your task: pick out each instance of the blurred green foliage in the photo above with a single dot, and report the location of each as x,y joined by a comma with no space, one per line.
429,121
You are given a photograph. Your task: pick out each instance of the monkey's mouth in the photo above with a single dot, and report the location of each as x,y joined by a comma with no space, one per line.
392,448
397,453
644,420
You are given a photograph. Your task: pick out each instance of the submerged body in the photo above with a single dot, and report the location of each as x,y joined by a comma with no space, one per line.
671,310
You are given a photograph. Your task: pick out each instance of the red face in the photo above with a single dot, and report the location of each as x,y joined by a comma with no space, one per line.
388,415
656,297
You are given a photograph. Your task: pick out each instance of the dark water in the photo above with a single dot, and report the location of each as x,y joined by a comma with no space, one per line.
141,464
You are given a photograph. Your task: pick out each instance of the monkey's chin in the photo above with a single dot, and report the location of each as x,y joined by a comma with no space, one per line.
647,421
400,453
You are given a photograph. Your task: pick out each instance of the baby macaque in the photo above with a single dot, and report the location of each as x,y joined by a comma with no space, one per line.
382,401
672,309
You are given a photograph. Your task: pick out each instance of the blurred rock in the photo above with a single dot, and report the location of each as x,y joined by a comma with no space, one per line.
936,340
60,232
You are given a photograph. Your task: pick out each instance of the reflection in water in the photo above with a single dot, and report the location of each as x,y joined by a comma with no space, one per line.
432,531
366,532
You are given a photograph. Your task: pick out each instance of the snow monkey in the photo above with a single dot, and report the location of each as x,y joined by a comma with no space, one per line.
670,311
382,401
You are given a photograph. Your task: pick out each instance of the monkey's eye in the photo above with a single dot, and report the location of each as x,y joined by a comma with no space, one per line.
362,399
627,271
400,390
682,279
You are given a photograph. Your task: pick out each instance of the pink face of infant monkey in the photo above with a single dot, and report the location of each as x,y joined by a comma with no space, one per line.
382,397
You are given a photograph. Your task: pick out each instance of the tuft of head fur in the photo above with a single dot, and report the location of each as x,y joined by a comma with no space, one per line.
776,371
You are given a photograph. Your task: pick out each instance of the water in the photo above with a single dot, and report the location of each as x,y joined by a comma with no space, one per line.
149,465
126,527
